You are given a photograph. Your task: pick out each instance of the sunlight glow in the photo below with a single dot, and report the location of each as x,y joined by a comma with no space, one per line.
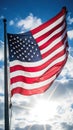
43,111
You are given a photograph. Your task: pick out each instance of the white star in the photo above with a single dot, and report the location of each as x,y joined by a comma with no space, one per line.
30,50
29,45
34,53
36,49
11,50
23,45
17,56
37,55
29,59
27,48
32,47
35,44
13,47
20,39
17,37
17,40
14,53
17,51
31,42
23,58
25,51
31,56
25,39
16,46
20,43
14,38
30,37
10,40
28,53
10,36
28,41
20,55
21,48
26,56
13,43
12,56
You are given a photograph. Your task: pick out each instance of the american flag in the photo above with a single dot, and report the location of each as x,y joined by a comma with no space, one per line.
38,56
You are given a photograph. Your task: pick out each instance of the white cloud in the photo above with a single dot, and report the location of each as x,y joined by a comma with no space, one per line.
1,17
70,20
1,80
29,22
5,8
70,34
11,22
68,69
1,51
63,113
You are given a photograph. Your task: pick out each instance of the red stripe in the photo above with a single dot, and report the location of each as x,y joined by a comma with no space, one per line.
59,54
30,92
49,42
48,22
38,68
52,71
55,37
49,32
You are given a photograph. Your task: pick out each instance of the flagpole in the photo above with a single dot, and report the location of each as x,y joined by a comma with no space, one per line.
6,104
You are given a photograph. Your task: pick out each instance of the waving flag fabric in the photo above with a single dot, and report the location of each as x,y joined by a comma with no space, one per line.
38,56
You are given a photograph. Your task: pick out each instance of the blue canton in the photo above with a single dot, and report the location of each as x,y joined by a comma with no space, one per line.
23,47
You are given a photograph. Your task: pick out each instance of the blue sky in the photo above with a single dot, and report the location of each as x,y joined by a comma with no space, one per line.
22,16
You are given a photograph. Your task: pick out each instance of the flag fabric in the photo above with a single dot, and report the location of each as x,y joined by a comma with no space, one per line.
38,56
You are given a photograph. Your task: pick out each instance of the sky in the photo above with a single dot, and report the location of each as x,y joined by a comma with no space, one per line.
52,110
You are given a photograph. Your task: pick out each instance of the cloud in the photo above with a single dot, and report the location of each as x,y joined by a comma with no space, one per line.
29,22
1,80
71,51
1,112
69,19
1,84
1,17
1,51
36,127
5,8
67,71
11,22
66,126
70,34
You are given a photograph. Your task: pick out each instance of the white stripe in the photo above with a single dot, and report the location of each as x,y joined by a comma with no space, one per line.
34,85
39,73
55,42
46,39
50,46
49,27
51,35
